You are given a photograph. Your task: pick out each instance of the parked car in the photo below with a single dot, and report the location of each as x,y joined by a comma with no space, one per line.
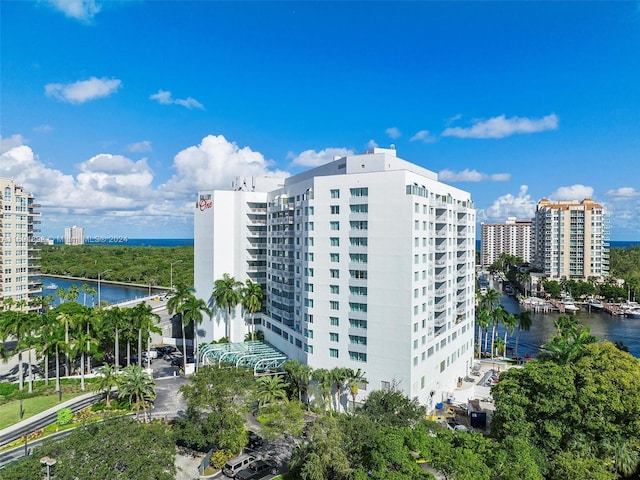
255,440
236,464
178,361
166,349
257,470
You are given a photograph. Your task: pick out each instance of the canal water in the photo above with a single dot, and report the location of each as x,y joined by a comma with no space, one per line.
109,292
614,328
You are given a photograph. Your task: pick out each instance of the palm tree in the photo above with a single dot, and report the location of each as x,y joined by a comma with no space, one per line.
14,323
509,322
226,295
143,319
86,289
500,346
339,376
61,293
483,319
29,341
300,374
73,293
524,323
136,385
355,379
177,298
192,310
252,297
82,344
270,389
107,380
114,318
323,380
498,314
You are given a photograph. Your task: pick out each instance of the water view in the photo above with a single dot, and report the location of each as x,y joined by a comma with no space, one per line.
602,325
109,292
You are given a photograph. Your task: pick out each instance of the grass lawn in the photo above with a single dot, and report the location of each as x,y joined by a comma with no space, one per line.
10,411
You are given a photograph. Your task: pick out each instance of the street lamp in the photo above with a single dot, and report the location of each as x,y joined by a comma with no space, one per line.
99,275
48,462
177,261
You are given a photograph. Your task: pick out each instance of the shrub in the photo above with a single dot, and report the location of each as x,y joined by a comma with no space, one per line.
65,415
219,458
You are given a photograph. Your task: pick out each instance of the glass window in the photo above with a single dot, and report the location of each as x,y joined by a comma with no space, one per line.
334,257
334,273
334,289
335,193
335,209
334,225
333,352
334,305
334,337
334,321
334,241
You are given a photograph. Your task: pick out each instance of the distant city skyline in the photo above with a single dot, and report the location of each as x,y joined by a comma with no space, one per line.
114,114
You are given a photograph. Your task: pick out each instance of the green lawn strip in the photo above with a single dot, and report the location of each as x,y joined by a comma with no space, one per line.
10,411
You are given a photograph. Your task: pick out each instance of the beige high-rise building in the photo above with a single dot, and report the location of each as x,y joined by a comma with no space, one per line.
19,255
571,239
512,237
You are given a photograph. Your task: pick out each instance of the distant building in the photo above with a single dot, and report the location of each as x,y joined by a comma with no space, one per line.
74,236
19,255
512,237
571,240
368,263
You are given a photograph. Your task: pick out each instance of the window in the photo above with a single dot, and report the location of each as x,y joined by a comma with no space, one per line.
358,257
359,192
334,273
308,302
357,307
333,352
334,241
357,340
357,290
358,241
335,193
334,337
334,225
334,289
334,305
334,257
334,321
359,225
354,323
358,274
360,208
357,356
335,209
308,287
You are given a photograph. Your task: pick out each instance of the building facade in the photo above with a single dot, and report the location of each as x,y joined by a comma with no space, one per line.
512,237
571,240
19,255
74,235
368,262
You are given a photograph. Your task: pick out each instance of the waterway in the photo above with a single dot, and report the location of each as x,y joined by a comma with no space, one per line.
109,292
614,328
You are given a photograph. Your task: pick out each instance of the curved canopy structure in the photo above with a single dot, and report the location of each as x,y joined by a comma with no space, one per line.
260,356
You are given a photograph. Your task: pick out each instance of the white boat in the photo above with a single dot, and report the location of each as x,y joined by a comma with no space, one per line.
51,286
569,305
633,313
595,304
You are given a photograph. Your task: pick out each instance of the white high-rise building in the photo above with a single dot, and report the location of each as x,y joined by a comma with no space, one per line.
571,239
74,235
368,263
19,255
512,237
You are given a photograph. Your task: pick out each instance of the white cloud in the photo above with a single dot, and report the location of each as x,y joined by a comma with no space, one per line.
215,163
7,143
574,192
143,146
312,158
393,133
423,136
453,119
164,97
43,129
84,90
83,10
472,176
521,206
500,127
372,144
623,193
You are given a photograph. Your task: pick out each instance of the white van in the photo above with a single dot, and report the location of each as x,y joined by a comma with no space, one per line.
233,466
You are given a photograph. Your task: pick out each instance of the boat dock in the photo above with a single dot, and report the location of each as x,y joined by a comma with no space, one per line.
537,305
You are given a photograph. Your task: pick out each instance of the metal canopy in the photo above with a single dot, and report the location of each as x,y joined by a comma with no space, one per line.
260,356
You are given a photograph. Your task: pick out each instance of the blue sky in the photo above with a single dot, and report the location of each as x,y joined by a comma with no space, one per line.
114,114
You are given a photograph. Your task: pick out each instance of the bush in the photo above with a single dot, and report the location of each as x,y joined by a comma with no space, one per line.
65,415
219,458
7,389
